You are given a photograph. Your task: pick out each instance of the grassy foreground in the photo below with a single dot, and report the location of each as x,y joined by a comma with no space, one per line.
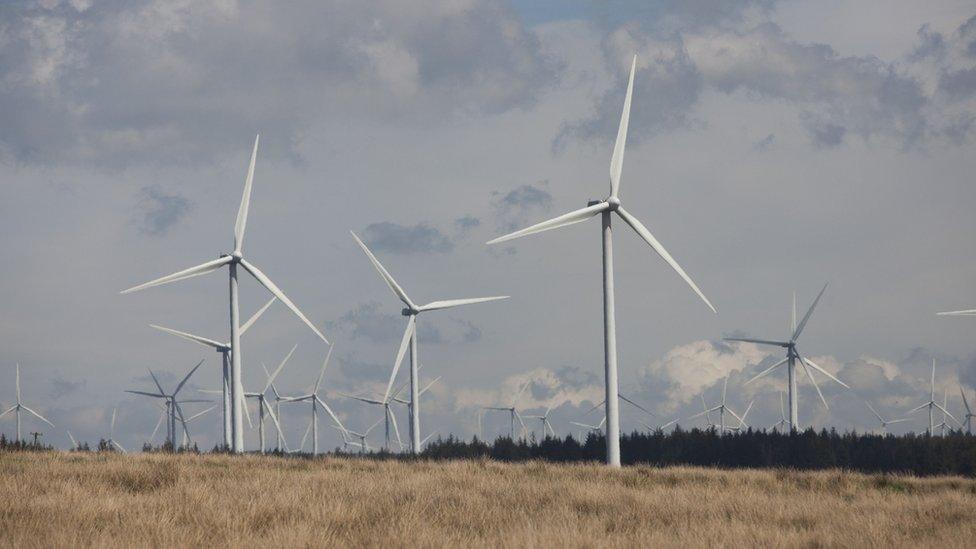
58,499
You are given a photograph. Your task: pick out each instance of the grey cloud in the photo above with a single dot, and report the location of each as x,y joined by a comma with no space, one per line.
467,223
764,143
513,208
353,368
824,134
959,84
368,321
931,44
63,387
400,239
158,81
470,331
160,211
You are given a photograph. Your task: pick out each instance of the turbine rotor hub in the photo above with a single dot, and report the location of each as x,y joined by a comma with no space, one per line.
614,203
407,311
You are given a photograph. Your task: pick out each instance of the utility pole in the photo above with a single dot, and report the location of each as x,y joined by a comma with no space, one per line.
35,435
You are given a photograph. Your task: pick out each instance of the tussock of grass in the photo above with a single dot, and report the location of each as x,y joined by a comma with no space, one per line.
56,499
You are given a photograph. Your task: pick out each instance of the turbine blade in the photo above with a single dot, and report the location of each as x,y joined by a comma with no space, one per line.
373,426
384,274
806,317
937,405
965,401
198,270
435,305
897,420
187,377
767,370
429,385
575,216
241,222
335,418
198,414
659,248
519,393
305,436
74,443
38,416
759,341
875,412
617,160
267,283
814,381
396,428
247,412
190,337
277,371
745,414
632,403
156,381
822,371
144,393
11,409
913,410
325,364
407,333
18,383
362,399
968,312
119,446
274,419
254,318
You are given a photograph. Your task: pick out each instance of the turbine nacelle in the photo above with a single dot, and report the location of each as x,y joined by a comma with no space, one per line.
614,203
407,311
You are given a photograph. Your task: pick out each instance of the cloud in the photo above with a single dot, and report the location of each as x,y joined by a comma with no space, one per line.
466,223
159,211
764,143
400,239
513,208
63,387
367,321
163,80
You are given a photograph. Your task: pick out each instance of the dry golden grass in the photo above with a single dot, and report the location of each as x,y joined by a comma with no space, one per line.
56,499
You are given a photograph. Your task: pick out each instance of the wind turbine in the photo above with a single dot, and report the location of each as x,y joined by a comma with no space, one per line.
280,442
315,401
884,422
721,409
512,411
224,350
546,424
388,416
187,440
628,401
605,208
232,261
932,404
263,402
783,422
411,311
589,428
742,421
111,434
969,412
172,406
792,357
363,445
944,426
74,443
16,408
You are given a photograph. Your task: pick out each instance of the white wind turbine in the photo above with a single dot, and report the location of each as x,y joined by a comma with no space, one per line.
969,412
783,422
74,443
187,440
16,408
363,445
932,404
792,358
411,311
173,408
944,426
316,402
280,443
232,261
512,411
224,350
111,434
606,208
628,401
262,398
742,421
389,417
721,409
585,428
884,422
546,424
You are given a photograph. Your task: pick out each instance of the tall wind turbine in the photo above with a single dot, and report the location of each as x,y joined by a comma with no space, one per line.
224,350
721,409
512,411
969,412
932,404
16,408
232,261
173,408
605,208
388,416
263,401
792,358
316,402
411,311
884,422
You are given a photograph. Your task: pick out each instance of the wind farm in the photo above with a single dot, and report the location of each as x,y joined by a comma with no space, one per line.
512,391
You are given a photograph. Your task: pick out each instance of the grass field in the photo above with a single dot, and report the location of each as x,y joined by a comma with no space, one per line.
58,499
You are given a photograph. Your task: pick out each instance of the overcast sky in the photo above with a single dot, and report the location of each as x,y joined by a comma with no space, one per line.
774,147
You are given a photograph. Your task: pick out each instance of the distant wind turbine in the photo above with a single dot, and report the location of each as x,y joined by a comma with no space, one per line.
411,311
742,420
363,445
792,357
546,424
315,401
224,350
884,422
187,440
932,405
111,434
969,412
605,208
232,261
512,410
721,409
783,422
589,428
172,406
262,399
16,408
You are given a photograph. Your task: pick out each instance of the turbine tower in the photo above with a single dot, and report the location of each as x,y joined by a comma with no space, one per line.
410,338
315,401
16,408
884,422
932,405
969,412
232,261
605,208
792,358
224,350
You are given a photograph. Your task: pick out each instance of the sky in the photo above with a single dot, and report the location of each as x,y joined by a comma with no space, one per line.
774,146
